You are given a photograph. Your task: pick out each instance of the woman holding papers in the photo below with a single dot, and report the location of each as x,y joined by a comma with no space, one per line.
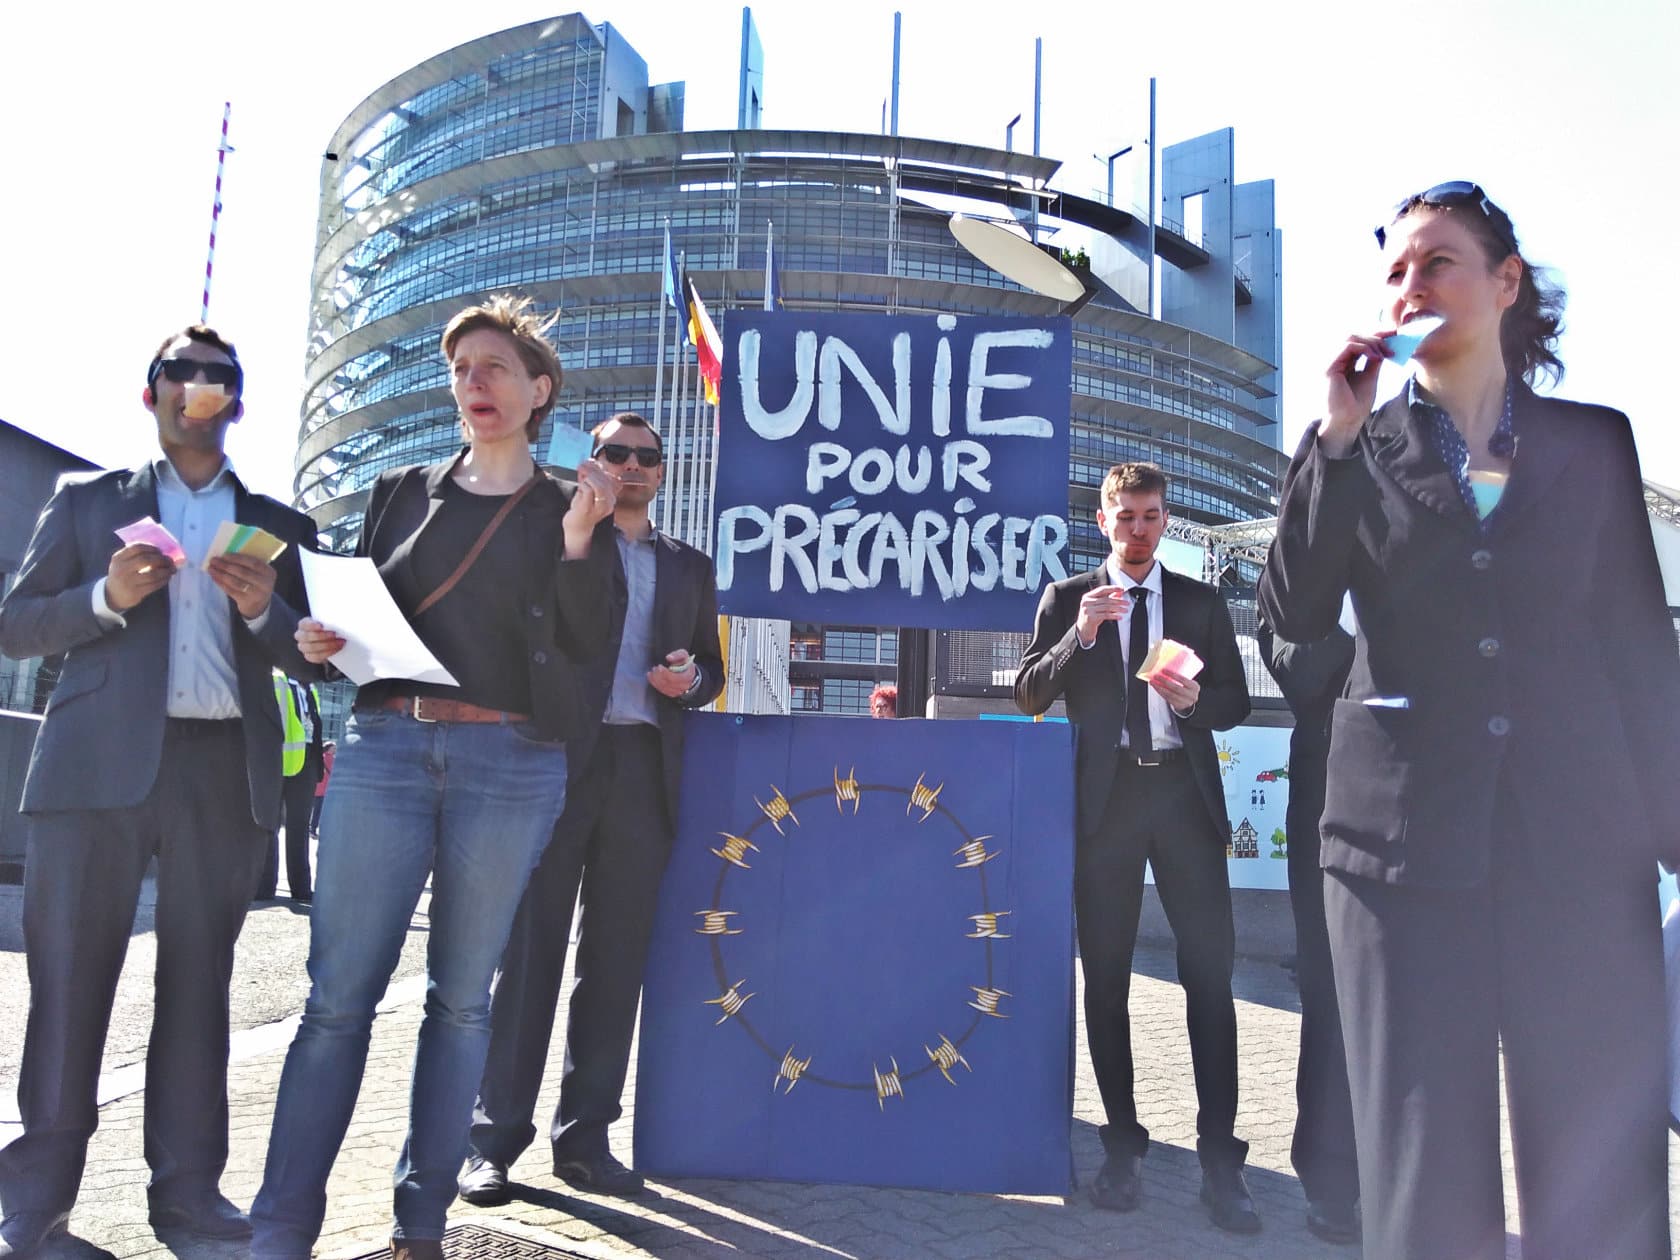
1503,765
504,577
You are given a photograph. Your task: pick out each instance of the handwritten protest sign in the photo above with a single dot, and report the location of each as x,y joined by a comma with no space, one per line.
892,469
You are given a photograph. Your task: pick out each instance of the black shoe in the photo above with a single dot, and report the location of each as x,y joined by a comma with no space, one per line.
1333,1220
27,1234
1120,1183
204,1215
1225,1194
599,1172
484,1182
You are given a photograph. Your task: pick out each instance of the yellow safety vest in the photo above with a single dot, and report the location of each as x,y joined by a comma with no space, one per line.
296,744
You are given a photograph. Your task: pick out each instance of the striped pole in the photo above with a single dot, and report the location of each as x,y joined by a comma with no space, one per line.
222,150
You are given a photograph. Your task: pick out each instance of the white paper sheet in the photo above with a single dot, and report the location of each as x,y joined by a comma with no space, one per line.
347,596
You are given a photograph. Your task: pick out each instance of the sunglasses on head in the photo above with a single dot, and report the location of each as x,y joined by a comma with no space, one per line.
180,371
619,453
1456,194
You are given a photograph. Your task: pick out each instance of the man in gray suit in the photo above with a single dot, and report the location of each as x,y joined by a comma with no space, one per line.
161,739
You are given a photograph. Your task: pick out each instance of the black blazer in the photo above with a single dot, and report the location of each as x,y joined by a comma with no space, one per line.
565,600
1093,683
1540,652
101,741
684,615
1312,677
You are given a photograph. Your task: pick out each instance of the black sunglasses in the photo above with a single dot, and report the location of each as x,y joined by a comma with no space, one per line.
619,453
180,371
1452,195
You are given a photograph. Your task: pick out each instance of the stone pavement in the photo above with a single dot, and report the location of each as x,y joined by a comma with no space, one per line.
714,1220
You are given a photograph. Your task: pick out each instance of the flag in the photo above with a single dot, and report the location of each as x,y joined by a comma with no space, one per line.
668,285
707,344
772,276
900,939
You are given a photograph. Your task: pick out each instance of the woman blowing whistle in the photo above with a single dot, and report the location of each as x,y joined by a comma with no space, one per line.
1501,777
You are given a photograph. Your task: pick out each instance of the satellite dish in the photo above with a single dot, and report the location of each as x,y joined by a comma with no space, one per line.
1017,258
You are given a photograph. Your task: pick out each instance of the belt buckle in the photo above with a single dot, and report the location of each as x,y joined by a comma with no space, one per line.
1156,758
414,710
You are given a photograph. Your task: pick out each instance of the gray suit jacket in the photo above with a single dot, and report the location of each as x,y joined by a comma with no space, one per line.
102,738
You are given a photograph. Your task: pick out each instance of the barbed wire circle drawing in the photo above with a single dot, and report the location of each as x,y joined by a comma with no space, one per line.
793,1055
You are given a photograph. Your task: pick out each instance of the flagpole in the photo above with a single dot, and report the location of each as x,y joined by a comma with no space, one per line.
702,525
215,213
679,389
699,442
711,490
659,367
665,293
679,472
668,422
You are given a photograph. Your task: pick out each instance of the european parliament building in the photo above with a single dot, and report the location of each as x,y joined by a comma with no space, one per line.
541,159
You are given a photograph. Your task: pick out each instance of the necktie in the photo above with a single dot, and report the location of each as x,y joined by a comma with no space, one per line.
1137,691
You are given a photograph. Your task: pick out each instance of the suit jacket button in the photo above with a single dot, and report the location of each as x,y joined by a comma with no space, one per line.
1481,558
1488,647
1499,725
539,658
536,610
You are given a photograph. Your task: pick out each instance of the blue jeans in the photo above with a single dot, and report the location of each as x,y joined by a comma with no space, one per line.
472,806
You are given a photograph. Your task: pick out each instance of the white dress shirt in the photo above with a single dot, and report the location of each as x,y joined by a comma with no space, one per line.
203,682
1163,726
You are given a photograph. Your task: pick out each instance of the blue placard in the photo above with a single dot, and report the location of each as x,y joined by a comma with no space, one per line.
905,470
862,969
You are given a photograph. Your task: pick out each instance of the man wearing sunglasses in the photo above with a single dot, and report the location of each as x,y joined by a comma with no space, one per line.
613,838
162,739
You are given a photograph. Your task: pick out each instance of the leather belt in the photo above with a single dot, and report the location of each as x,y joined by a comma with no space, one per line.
200,728
1160,757
439,709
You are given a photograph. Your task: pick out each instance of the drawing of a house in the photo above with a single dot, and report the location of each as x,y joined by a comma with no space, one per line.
1245,841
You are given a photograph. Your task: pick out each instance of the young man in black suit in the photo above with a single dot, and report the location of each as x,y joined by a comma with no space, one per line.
1147,789
162,739
614,839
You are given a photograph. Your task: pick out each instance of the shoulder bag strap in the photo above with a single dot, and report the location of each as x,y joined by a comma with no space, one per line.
489,532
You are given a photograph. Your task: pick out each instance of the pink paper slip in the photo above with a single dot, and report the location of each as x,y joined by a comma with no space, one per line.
1170,654
146,530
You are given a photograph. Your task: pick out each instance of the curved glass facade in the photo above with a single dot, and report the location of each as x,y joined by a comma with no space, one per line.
532,159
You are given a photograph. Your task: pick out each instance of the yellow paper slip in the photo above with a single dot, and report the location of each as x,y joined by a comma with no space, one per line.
232,538
1170,654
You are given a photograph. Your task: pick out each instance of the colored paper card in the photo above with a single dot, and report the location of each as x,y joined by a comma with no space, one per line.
1170,654
202,400
246,540
862,966
146,530
1405,342
568,447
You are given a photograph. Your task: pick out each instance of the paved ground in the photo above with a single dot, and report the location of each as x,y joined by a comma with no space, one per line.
691,1219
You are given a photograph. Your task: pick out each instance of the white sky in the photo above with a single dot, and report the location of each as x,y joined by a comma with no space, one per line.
1567,113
